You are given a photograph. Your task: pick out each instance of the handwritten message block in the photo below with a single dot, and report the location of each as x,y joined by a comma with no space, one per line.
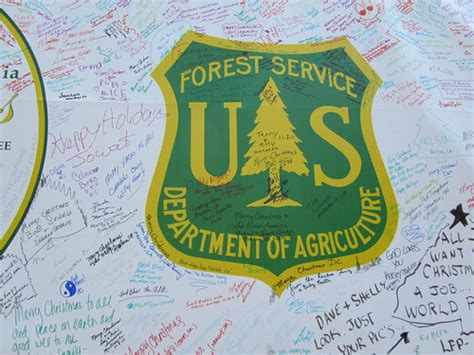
457,89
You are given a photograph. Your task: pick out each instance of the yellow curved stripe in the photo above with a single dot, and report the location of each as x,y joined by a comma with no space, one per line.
41,106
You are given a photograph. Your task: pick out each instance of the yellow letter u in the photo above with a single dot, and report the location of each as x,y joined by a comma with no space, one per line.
198,165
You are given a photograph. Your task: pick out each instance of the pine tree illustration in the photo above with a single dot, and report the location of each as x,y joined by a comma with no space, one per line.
274,148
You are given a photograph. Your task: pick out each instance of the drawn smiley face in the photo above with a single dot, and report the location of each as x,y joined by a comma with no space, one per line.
366,10
67,289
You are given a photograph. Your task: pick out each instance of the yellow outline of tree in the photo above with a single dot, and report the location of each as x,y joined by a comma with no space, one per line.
273,147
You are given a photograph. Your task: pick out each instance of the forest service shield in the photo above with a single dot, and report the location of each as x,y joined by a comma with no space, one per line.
269,167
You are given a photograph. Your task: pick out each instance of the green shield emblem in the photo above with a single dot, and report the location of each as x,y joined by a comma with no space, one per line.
269,166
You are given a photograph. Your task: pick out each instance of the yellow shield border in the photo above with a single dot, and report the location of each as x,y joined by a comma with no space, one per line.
42,131
277,283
